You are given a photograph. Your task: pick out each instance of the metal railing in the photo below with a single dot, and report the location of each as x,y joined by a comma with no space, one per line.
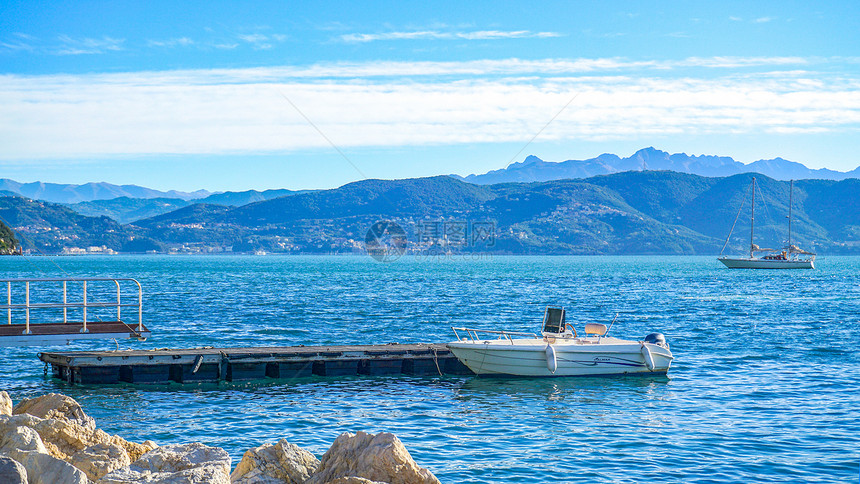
84,303
473,334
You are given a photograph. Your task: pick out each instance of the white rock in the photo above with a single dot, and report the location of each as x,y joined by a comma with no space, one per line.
5,404
91,450
381,457
100,459
11,471
22,443
16,438
64,438
55,405
45,469
193,463
353,480
275,464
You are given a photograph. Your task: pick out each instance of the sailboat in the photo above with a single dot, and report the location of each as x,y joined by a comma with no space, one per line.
790,257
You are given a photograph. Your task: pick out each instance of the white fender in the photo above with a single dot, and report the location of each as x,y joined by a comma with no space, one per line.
646,354
551,361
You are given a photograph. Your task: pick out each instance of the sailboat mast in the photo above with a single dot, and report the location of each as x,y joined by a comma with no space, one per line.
752,220
790,193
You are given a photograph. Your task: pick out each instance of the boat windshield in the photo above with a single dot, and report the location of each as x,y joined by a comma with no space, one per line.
553,320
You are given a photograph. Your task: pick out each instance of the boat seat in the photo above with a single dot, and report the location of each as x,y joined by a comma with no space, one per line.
595,329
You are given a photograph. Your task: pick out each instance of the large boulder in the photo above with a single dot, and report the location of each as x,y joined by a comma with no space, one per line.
353,480
16,438
5,404
64,438
93,451
100,459
12,472
57,406
45,469
193,463
23,444
381,457
282,463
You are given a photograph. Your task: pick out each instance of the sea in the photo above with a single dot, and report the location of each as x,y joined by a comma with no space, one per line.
765,385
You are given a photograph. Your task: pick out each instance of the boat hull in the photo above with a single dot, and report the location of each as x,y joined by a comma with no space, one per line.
748,263
529,358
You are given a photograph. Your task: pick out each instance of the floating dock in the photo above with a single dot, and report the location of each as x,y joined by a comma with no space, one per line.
242,364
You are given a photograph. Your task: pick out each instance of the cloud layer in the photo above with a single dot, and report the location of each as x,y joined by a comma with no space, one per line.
402,103
446,35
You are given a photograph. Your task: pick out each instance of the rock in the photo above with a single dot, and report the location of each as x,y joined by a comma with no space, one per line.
64,438
100,459
92,450
16,438
23,444
275,464
57,406
353,480
193,463
5,404
45,469
381,457
11,472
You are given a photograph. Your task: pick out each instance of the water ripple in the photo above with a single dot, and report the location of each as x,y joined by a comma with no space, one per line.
764,387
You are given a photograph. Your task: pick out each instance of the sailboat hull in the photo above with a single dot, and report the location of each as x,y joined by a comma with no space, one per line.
753,263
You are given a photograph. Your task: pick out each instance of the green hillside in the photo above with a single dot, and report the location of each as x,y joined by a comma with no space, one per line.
9,244
651,212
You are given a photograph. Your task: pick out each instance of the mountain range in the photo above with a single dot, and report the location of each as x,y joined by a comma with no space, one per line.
634,212
125,209
534,169
68,193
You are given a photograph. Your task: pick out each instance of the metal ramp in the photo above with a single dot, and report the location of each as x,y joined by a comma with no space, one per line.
42,302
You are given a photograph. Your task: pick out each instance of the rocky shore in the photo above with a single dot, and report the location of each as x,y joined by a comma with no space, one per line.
50,440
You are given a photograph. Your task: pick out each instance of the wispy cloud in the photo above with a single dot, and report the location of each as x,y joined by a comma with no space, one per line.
77,46
18,42
443,35
177,42
262,41
762,20
242,110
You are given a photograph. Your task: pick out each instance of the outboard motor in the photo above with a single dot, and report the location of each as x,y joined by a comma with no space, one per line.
656,339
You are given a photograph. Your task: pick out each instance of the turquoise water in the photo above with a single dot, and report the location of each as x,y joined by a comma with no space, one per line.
764,387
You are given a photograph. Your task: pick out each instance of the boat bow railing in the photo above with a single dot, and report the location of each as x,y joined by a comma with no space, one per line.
472,334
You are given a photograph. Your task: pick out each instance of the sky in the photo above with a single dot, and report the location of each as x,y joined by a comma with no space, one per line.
279,94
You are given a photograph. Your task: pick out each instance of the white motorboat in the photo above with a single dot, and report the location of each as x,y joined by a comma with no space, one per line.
559,351
791,256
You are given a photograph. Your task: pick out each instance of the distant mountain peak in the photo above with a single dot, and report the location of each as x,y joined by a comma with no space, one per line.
530,159
533,169
88,192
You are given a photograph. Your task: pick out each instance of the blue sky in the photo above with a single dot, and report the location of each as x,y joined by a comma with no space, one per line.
257,95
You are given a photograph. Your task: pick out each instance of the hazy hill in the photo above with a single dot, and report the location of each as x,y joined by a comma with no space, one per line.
414,197
68,193
125,210
535,169
631,212
48,227
237,199
651,212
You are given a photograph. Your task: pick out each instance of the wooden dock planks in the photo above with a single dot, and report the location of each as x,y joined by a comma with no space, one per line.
251,363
